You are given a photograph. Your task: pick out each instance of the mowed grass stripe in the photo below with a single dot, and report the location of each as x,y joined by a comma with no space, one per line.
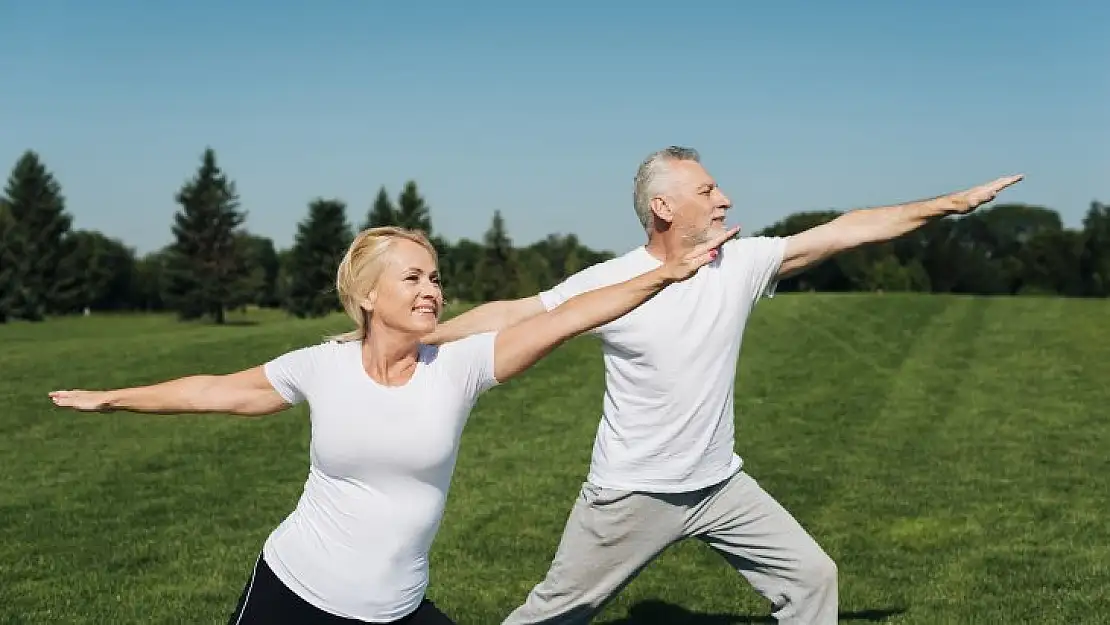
1027,435
866,514
813,384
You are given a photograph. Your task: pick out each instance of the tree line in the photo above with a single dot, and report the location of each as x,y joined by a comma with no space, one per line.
214,264
1005,249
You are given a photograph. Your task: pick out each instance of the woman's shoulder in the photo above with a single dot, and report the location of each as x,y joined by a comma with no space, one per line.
461,351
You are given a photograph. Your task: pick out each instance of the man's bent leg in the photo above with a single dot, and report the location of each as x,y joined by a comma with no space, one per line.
609,537
768,546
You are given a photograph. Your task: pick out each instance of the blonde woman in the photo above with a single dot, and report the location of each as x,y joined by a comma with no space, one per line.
387,413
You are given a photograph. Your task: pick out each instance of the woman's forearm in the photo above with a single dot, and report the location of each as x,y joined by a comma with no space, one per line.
491,316
520,346
598,307
246,392
187,394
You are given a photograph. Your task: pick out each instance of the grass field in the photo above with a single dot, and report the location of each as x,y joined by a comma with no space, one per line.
952,454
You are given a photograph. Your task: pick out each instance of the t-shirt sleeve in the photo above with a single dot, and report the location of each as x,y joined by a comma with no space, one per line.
291,373
756,262
472,359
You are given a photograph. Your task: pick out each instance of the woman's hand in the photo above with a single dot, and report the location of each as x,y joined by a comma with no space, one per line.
84,401
686,265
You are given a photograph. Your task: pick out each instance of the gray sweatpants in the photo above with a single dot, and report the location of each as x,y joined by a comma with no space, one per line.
612,535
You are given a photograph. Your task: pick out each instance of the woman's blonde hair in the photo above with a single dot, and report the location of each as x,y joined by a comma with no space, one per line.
361,268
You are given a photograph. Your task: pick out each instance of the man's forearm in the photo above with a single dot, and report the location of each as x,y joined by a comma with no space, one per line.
491,316
875,225
857,228
884,223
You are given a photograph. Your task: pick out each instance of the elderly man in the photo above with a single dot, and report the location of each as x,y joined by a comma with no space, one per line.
664,467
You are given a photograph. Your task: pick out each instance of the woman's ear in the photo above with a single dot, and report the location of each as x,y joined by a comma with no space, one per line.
367,303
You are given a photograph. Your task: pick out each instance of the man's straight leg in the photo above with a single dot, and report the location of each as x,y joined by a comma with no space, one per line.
609,538
768,546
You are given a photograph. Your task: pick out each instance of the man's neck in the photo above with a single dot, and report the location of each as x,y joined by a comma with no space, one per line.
664,245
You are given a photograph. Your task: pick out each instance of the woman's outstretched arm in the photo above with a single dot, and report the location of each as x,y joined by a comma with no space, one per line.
520,346
246,393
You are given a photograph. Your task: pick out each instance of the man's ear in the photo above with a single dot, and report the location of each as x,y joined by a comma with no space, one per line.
662,209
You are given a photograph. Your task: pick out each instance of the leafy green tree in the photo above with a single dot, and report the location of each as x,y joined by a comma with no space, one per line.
1095,253
149,284
459,270
102,269
321,241
264,267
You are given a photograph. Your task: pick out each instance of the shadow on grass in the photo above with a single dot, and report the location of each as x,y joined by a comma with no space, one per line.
660,613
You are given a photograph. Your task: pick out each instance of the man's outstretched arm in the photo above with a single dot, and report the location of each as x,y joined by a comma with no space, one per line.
485,318
875,225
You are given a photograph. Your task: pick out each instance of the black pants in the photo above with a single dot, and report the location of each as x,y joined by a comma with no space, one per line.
267,601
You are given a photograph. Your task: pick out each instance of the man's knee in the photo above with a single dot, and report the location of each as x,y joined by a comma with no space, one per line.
817,571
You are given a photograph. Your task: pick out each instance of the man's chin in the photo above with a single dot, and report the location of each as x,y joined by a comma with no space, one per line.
701,237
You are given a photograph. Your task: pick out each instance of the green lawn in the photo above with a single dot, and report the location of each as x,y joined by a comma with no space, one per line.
952,454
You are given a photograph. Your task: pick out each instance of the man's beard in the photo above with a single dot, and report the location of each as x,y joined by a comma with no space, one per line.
694,237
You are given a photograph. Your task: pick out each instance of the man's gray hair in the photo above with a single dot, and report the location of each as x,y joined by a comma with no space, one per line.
651,177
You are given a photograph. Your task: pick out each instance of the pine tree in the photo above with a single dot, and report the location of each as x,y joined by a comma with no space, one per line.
1095,255
412,212
7,267
34,242
321,241
207,272
496,274
382,213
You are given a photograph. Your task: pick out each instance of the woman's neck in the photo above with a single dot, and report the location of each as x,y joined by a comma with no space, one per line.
390,358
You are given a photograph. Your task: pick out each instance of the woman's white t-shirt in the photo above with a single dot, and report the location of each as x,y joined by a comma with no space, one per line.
381,460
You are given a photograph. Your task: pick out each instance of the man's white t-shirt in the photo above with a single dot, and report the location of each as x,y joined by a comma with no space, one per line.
381,462
670,367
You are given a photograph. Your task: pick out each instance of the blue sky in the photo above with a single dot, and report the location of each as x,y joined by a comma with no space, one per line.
544,110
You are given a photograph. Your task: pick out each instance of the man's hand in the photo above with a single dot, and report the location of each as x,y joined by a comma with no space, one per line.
962,202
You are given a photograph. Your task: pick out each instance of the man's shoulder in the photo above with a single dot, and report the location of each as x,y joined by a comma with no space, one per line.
618,268
752,248
753,241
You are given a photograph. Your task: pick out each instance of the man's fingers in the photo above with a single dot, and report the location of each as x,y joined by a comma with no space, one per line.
1006,181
